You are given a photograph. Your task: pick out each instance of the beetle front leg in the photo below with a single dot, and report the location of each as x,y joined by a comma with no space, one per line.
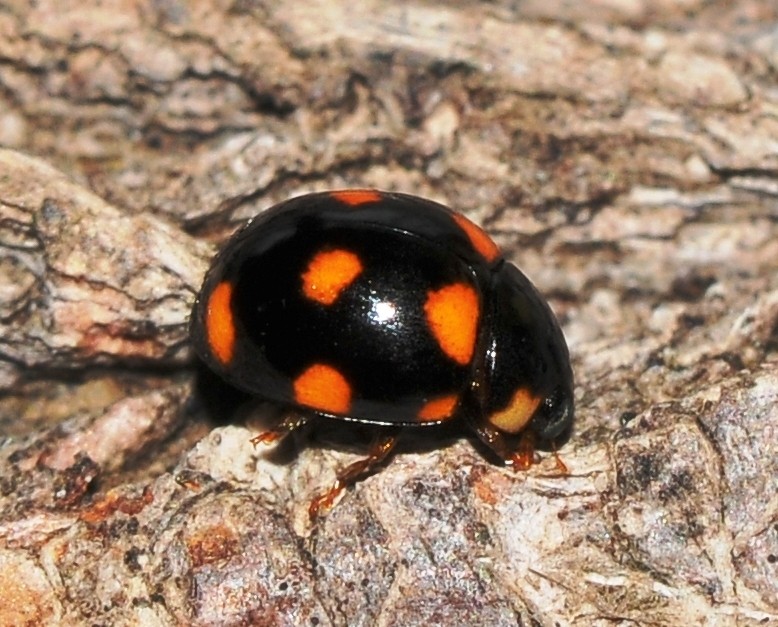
520,457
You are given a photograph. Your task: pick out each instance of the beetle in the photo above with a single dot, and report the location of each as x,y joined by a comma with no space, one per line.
386,309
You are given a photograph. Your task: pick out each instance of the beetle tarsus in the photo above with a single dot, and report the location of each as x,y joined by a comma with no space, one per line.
560,463
324,501
524,456
378,452
281,430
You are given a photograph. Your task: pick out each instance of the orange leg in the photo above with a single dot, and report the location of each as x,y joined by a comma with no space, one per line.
524,455
378,452
281,430
521,457
560,463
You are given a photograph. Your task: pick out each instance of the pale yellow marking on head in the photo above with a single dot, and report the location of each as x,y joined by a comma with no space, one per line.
518,413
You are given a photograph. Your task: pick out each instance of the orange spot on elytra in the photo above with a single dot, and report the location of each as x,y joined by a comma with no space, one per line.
329,273
517,414
478,238
220,324
324,388
452,315
356,197
438,408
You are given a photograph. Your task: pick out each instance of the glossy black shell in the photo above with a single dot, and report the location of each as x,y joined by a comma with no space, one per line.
408,246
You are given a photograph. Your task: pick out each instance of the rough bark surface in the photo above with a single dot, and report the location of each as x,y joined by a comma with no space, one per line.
623,152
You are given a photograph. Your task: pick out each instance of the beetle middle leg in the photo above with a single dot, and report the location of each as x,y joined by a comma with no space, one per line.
378,452
290,423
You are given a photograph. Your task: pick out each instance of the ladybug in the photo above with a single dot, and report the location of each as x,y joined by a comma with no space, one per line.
387,309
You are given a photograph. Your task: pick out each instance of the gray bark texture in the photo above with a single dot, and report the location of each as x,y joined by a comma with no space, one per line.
623,152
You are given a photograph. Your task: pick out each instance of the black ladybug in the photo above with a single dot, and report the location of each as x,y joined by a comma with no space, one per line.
386,309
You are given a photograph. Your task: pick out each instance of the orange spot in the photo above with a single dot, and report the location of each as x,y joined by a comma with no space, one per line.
219,323
517,414
452,315
478,238
329,273
323,388
356,197
438,408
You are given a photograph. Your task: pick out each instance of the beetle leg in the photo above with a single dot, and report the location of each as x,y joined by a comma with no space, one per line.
519,457
524,455
290,423
378,452
560,463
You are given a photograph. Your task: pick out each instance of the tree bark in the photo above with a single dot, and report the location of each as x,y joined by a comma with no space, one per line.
625,155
